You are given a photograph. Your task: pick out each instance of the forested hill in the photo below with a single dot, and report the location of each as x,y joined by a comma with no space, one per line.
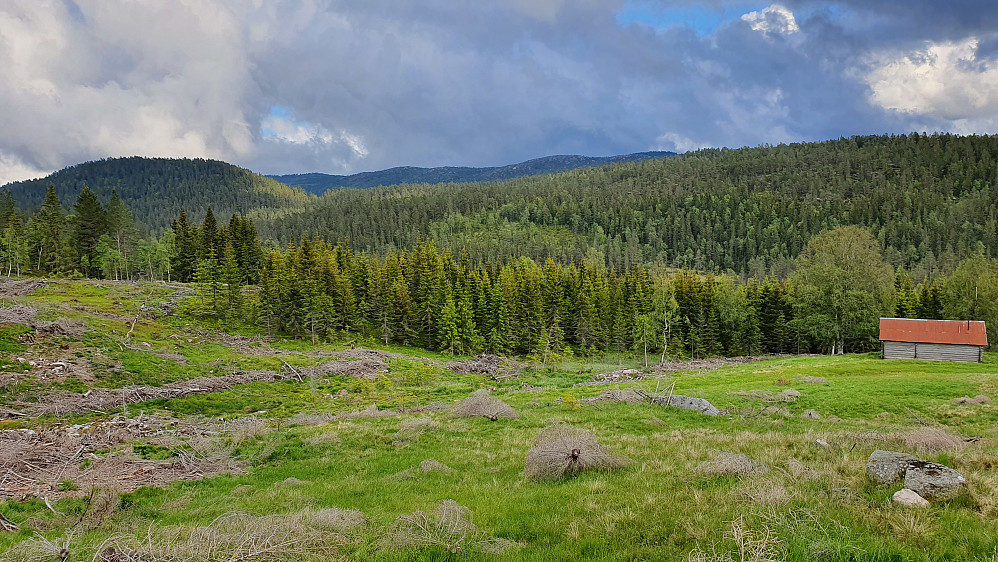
154,189
928,199
320,183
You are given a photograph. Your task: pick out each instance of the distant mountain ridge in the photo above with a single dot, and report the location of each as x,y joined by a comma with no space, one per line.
318,183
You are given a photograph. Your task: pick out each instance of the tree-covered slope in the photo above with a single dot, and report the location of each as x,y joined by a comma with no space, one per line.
319,183
928,199
154,189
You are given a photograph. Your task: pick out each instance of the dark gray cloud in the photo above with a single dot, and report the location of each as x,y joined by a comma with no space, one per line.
351,85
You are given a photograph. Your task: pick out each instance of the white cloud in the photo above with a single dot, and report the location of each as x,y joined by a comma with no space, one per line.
776,18
288,130
945,80
676,142
12,169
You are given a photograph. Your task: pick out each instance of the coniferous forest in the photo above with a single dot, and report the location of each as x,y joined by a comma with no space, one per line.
787,249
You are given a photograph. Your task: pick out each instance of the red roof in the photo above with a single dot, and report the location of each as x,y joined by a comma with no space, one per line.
960,332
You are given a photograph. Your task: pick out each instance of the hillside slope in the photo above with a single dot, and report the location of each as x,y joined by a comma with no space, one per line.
928,199
319,183
156,188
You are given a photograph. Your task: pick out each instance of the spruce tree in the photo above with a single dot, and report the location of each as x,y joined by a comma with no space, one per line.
89,225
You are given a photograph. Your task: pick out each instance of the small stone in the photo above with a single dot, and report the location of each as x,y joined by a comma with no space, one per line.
822,443
933,481
834,419
887,467
811,415
910,498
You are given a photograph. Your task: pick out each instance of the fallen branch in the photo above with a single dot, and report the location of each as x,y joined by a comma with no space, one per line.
7,524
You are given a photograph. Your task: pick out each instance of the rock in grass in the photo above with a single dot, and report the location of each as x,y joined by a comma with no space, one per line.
933,481
909,498
690,403
887,467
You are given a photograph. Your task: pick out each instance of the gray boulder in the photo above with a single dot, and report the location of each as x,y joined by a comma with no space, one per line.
690,403
887,467
933,481
909,498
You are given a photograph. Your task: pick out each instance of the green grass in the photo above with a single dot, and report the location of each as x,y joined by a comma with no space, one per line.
816,503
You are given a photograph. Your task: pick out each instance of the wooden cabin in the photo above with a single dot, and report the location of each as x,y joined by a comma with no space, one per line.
933,340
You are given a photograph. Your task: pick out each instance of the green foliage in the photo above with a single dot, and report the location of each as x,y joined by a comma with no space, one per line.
155,188
929,201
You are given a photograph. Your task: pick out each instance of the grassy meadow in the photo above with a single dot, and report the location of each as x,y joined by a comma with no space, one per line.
296,460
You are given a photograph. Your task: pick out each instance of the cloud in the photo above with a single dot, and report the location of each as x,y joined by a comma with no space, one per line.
946,80
369,84
774,19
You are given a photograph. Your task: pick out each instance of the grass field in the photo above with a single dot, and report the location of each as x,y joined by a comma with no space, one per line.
283,454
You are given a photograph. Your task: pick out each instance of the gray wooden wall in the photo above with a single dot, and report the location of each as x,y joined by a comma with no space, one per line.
932,351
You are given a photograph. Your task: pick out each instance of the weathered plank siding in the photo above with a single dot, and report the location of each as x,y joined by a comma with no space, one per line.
932,351
899,350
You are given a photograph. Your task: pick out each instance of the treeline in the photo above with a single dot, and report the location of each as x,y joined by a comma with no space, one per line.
929,200
840,285
428,297
104,241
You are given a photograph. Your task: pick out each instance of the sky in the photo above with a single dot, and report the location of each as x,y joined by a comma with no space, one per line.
343,86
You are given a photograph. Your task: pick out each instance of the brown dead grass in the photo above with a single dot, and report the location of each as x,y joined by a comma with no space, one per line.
562,451
450,526
231,537
482,404
732,464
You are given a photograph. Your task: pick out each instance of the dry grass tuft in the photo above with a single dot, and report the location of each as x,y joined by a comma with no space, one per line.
410,429
433,465
371,411
500,546
311,418
750,546
39,548
931,439
324,438
450,527
979,400
788,395
482,404
339,520
231,537
628,395
768,494
812,380
561,451
732,464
